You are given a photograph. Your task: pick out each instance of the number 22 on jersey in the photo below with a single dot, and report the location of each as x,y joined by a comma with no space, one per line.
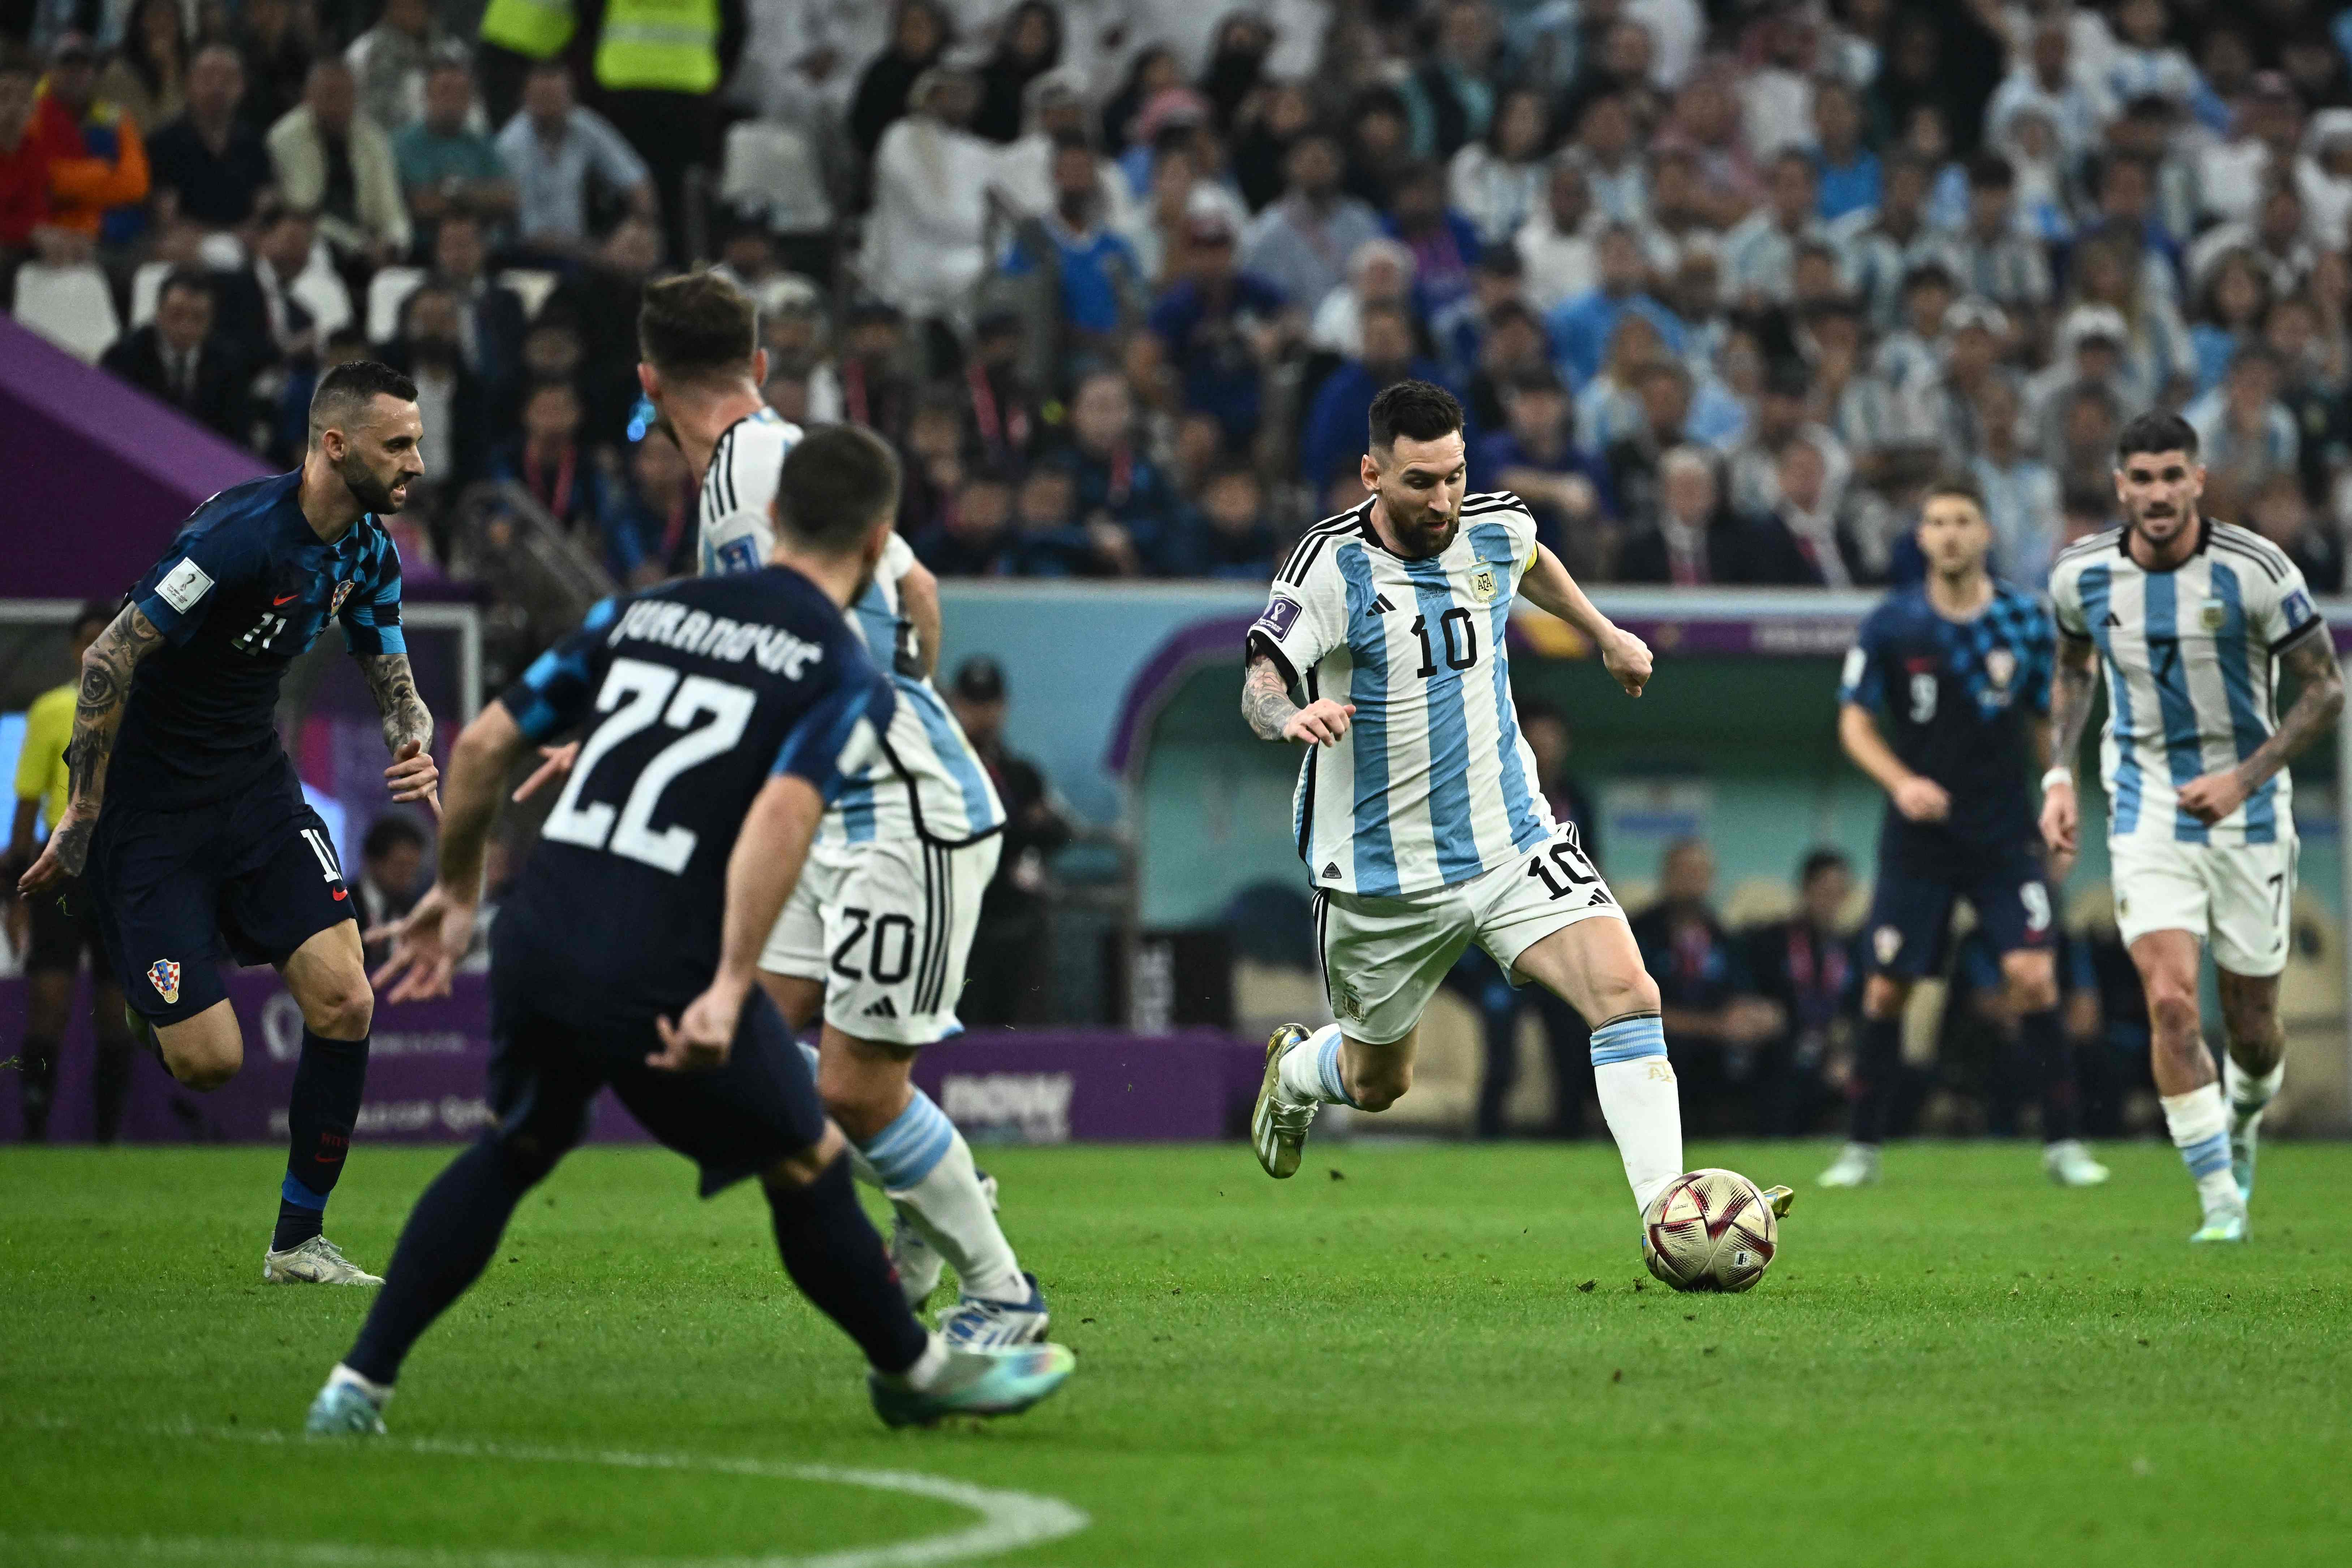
712,714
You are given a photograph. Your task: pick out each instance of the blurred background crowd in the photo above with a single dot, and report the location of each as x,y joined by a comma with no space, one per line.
1722,284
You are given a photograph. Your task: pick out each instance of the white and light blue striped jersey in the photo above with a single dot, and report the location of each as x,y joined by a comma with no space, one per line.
1433,784
931,785
2191,661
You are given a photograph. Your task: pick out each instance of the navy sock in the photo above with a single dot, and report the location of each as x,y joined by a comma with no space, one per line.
319,1115
38,1055
2053,1060
832,1254
1878,1065
450,1237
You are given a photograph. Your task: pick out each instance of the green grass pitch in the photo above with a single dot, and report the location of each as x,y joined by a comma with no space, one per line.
1395,1365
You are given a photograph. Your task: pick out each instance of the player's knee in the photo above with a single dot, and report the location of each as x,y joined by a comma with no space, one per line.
2251,1020
862,1100
343,1009
204,1065
1621,994
1378,1087
2173,1013
2032,988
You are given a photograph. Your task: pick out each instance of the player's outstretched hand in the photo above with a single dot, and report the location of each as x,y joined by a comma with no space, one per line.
426,947
1627,657
1320,723
559,761
1922,799
2214,796
415,776
61,858
2060,819
703,1034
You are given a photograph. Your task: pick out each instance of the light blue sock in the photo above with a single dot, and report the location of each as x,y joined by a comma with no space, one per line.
905,1152
1643,1034
1326,1070
1309,1071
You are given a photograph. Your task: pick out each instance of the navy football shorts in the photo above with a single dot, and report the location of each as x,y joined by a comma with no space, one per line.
546,1066
176,892
1911,910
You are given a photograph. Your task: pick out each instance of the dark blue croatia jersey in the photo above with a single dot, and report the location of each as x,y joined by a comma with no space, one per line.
1956,697
694,695
244,591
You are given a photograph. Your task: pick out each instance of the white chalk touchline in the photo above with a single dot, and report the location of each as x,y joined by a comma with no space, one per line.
1008,1519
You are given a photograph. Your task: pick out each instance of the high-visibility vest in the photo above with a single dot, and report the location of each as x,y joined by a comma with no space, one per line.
536,28
666,46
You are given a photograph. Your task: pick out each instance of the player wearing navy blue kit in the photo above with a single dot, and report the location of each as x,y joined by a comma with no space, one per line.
185,811
723,715
1959,667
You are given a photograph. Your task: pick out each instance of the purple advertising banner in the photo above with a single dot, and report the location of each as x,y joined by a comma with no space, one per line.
427,1064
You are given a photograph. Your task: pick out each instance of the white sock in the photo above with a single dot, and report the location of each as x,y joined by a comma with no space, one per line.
1641,1101
1309,1073
928,1365
379,1394
949,1208
2199,1124
2249,1094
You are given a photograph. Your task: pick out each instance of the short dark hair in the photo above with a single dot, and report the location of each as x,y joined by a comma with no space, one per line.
837,482
184,277
1418,410
698,325
1819,860
347,389
1964,486
389,831
2156,431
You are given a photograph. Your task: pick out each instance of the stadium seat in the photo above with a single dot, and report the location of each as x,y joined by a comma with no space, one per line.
772,167
532,284
146,288
387,293
69,305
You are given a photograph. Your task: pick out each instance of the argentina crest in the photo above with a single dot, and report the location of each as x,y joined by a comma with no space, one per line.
1482,585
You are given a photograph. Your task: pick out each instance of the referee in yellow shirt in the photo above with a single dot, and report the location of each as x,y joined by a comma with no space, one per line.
63,928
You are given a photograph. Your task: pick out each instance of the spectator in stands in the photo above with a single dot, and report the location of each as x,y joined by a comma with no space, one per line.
2021,492
207,165
1783,414
1712,1015
1152,71
919,37
1121,499
330,157
1809,967
1221,329
975,537
1581,326
1538,457
148,76
2246,434
2231,304
98,173
1444,246
278,41
1610,143
1496,181
1460,331
1010,946
1845,171
390,61
1300,245
1994,257
1556,242
1513,348
259,310
181,360
553,149
446,165
2279,512
391,873
1760,253
576,483
1100,277
1005,419
1822,534
1334,435
924,238
1634,461
1691,542
876,390
1380,273
1028,44
1228,535
28,148
1886,247
603,297
1050,539
1024,171
491,320
451,400
659,504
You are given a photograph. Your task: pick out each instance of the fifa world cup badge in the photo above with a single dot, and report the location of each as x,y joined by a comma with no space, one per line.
165,975
1482,584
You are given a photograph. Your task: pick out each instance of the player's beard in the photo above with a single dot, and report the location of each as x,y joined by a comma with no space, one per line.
1427,534
2171,517
371,492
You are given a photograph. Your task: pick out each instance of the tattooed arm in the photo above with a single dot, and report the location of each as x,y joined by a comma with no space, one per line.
106,673
2073,684
2313,663
407,727
1265,703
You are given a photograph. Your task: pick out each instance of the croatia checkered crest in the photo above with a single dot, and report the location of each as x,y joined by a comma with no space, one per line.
164,975
1710,1231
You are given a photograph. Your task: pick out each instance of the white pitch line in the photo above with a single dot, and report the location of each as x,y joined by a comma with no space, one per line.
1008,1519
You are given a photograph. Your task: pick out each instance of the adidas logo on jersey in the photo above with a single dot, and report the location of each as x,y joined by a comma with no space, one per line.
1599,897
1380,605
1331,871
881,1009
2113,619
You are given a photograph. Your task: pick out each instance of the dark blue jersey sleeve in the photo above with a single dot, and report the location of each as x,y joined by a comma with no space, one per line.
840,736
1862,681
556,693
370,616
180,589
2039,655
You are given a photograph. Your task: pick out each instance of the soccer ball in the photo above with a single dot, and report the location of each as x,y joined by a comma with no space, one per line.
1710,1231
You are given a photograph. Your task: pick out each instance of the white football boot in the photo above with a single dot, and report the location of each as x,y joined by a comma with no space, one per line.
2069,1163
1857,1166
317,1261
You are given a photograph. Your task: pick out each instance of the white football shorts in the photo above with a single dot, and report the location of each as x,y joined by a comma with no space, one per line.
886,927
1383,958
2236,898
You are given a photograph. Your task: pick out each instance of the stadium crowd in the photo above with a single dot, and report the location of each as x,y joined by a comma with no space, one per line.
1722,284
